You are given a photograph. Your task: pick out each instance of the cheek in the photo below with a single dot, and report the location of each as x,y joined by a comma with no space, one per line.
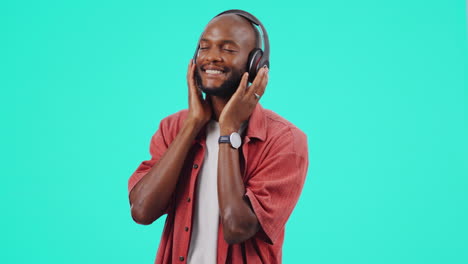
240,63
198,58
198,69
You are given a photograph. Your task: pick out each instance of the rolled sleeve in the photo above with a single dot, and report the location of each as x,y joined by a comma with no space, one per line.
158,147
274,190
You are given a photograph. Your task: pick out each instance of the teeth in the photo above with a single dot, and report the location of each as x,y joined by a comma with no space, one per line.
213,71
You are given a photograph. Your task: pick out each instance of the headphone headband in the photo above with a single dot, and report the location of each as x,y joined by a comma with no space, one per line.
266,43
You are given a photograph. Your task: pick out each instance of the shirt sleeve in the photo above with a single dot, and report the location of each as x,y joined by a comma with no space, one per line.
158,146
276,185
157,149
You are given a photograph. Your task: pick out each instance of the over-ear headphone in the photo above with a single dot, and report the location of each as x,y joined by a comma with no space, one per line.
257,57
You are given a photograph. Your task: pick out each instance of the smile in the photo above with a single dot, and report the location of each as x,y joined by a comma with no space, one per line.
214,72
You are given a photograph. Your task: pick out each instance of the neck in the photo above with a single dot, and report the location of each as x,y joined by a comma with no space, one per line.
217,106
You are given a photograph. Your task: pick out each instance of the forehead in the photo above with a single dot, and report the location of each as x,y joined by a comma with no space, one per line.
230,27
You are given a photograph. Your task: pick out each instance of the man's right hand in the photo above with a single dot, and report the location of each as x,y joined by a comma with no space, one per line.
199,112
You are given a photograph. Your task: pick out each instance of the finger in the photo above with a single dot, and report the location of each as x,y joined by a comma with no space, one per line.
244,81
193,89
243,84
191,77
189,68
261,88
195,84
257,82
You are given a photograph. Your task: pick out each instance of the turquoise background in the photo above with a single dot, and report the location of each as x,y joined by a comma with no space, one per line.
379,87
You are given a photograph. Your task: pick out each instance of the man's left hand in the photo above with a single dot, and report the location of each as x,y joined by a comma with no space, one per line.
243,102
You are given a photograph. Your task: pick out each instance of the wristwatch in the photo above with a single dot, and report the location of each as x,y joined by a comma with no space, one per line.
234,139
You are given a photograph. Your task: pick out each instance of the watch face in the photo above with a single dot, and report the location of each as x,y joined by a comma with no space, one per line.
235,140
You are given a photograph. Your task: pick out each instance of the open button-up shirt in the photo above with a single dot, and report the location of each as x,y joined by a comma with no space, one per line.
274,161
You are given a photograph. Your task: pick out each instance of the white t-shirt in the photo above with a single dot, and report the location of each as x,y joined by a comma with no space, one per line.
204,240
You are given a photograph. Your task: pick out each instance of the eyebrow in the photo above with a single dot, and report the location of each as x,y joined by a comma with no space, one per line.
227,41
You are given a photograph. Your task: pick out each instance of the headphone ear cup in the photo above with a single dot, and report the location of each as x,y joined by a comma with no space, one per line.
195,55
252,64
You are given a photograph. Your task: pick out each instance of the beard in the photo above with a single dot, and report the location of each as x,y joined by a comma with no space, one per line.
225,90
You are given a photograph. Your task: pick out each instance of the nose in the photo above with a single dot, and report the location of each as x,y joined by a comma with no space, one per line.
213,54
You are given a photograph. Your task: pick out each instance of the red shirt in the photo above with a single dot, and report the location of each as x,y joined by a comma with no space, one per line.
274,162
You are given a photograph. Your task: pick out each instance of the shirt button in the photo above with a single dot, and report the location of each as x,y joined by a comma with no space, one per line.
188,200
195,166
181,258
186,228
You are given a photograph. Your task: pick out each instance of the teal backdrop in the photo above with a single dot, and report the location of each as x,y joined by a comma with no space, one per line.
379,87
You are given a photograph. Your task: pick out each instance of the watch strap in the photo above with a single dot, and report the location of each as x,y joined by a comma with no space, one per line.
224,139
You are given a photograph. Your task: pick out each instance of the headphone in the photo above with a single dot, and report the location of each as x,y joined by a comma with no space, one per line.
257,57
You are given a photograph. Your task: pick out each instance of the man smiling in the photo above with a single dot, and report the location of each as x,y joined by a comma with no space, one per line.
226,171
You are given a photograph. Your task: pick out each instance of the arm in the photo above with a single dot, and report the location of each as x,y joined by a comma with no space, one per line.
150,196
239,221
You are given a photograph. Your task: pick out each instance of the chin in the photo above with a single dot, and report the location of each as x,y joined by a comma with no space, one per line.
220,88
216,91
211,86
